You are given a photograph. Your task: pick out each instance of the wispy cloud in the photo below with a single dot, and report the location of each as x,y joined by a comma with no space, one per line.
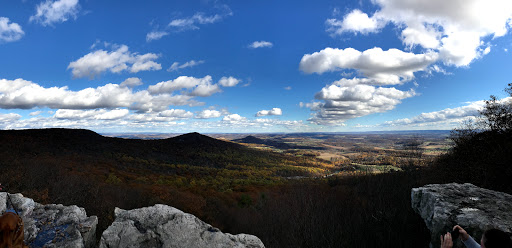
199,18
260,44
446,119
176,65
51,12
155,35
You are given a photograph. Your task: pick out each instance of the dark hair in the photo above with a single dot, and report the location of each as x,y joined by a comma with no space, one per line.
494,238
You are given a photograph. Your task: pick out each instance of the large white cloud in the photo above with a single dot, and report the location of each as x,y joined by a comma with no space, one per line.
456,29
50,12
343,101
9,31
23,94
121,59
381,67
273,111
452,32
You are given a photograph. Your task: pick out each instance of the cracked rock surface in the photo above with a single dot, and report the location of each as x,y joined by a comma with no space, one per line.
165,226
475,209
52,225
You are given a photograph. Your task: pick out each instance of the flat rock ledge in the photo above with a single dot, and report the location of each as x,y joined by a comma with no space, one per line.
475,209
165,226
52,225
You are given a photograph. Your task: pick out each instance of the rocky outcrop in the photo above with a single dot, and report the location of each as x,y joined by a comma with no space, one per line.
52,225
475,209
55,225
164,226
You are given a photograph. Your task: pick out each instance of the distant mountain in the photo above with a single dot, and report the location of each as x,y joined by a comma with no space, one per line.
253,140
269,142
192,148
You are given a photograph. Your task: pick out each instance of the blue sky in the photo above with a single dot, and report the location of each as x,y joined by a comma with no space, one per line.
250,66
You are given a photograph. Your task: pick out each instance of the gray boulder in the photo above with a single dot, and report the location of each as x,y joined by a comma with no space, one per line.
165,226
52,225
475,209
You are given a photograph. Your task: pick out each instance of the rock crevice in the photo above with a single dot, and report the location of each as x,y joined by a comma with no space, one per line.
475,209
55,225
165,226
52,225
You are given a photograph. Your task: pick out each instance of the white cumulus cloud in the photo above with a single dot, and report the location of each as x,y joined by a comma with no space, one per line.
50,12
381,67
273,111
6,118
9,31
199,86
343,101
233,118
455,29
229,81
23,94
207,114
355,21
99,61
